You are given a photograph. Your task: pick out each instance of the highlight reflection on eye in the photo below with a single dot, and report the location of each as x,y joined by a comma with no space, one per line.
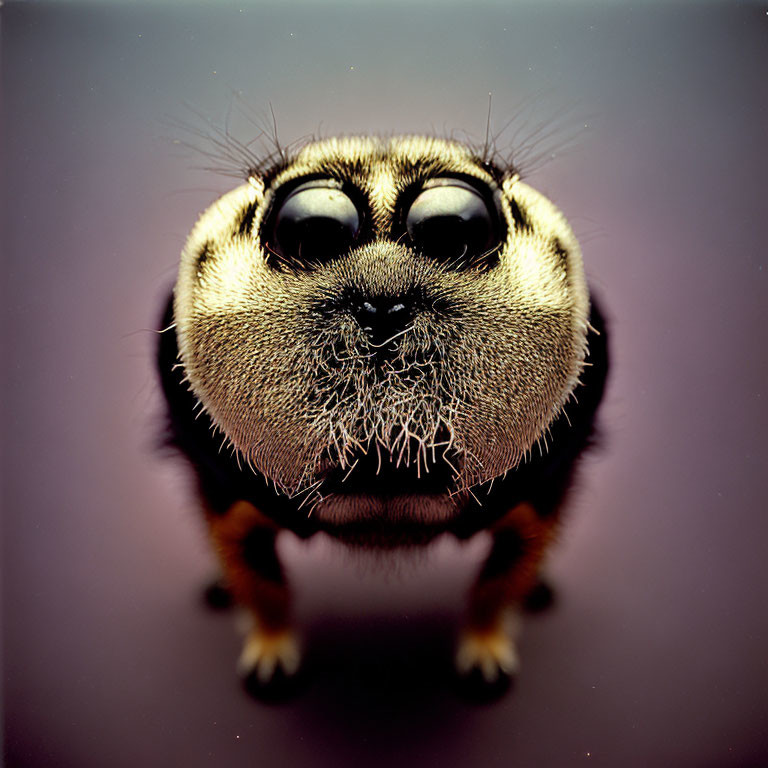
315,223
450,220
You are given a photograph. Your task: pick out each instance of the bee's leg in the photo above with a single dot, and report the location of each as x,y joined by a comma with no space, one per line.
244,540
487,651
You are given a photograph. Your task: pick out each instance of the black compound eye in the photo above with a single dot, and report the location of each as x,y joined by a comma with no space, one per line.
450,221
316,222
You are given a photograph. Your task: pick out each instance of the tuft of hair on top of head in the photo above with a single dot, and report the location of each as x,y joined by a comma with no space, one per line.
530,138
222,150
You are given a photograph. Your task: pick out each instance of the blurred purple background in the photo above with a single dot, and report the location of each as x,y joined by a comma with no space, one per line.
654,654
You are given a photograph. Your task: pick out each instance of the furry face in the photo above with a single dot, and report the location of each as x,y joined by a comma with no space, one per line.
381,322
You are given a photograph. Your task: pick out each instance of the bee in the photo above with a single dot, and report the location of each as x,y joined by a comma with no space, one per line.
394,339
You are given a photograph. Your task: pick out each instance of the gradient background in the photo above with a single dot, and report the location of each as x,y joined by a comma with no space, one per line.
656,651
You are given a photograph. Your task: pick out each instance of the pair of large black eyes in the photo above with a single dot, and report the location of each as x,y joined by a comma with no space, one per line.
447,220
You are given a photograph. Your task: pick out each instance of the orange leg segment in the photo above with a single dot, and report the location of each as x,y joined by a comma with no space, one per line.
244,539
510,572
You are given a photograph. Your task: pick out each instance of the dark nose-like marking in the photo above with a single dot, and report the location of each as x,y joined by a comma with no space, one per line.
383,317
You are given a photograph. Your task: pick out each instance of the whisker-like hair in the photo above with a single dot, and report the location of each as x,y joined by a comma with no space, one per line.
525,142
220,145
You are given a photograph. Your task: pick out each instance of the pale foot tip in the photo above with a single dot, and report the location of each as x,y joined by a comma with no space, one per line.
270,666
486,665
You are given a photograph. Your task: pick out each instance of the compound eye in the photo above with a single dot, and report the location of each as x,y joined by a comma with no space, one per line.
450,221
315,223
